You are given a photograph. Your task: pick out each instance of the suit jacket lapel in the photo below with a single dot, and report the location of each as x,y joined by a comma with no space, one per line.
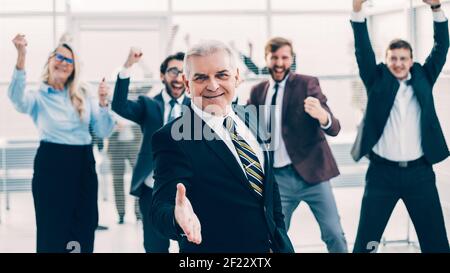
160,101
221,150
263,96
186,100
416,78
287,96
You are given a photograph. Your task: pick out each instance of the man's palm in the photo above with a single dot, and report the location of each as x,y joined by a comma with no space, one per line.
186,217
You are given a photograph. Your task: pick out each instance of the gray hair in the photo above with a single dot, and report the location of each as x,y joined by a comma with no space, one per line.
206,48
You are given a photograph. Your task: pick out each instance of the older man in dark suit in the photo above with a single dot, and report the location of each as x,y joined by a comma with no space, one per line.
214,187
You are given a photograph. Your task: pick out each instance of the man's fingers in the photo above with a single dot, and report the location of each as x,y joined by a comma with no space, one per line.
311,100
195,232
311,105
195,236
198,230
181,194
187,229
192,235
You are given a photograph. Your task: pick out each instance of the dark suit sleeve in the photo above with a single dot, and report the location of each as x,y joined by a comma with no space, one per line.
131,110
365,57
252,97
314,90
172,166
436,60
277,209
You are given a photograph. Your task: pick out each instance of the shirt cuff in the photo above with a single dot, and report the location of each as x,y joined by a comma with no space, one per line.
124,73
19,73
326,127
359,17
439,16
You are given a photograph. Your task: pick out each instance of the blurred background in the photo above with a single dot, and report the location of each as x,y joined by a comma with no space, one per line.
104,30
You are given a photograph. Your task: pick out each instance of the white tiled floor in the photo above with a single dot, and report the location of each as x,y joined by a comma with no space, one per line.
17,227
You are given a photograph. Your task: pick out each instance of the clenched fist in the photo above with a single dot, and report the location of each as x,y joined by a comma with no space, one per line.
315,110
21,45
432,2
103,93
357,5
133,57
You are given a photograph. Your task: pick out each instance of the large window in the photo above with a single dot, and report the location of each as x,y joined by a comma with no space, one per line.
397,25
118,5
239,29
35,5
323,43
311,5
204,5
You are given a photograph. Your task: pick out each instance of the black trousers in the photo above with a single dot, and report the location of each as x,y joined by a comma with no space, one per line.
154,242
64,190
416,186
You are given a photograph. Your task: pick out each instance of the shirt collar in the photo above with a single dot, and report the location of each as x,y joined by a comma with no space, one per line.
48,89
406,80
213,121
167,98
280,84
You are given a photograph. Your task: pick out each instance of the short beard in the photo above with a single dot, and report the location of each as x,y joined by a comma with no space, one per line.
170,92
285,73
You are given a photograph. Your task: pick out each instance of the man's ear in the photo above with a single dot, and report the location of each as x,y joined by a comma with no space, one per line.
238,78
186,83
161,76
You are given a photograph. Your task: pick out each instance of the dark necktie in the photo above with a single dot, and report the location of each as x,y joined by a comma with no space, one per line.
172,115
272,103
248,158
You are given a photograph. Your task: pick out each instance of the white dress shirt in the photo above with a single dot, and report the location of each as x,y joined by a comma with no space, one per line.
176,108
402,139
216,123
281,156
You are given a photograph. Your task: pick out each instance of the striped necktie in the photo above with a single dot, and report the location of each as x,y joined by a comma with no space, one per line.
248,158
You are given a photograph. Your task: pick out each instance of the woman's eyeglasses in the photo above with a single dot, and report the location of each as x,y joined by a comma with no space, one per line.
61,58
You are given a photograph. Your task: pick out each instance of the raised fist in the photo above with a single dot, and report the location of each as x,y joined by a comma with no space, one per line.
20,43
133,57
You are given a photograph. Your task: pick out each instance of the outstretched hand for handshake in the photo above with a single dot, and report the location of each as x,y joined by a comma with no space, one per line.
186,217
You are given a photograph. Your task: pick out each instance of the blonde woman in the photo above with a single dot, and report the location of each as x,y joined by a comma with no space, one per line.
64,183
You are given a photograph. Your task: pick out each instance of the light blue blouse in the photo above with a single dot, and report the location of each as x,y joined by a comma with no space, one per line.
55,117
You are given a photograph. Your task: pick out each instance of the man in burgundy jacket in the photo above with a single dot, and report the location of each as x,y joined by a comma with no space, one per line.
297,116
